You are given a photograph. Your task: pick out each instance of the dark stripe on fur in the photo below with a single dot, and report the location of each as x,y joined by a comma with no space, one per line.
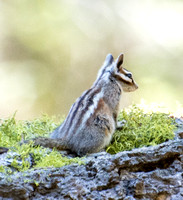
120,79
88,104
79,103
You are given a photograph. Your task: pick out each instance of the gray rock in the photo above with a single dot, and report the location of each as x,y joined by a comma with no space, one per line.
149,173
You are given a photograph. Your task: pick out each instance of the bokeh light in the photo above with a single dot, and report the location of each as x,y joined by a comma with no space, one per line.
51,51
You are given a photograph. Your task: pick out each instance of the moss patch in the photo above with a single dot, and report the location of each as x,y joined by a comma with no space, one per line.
141,129
12,132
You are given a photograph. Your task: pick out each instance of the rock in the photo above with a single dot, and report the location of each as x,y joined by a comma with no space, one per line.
148,173
3,150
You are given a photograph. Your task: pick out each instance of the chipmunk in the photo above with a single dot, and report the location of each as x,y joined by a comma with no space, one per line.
92,119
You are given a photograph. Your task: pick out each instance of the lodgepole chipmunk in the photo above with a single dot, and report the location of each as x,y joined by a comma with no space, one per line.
92,119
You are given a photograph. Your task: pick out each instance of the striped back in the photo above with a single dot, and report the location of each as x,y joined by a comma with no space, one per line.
84,107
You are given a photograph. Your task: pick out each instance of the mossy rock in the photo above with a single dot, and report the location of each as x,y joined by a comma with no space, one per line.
12,132
141,129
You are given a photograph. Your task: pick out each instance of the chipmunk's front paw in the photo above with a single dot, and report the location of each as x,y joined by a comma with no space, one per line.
120,124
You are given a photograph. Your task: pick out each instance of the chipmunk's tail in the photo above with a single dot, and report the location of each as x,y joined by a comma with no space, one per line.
50,143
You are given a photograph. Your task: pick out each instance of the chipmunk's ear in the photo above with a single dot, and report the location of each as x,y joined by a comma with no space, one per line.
119,60
106,65
109,59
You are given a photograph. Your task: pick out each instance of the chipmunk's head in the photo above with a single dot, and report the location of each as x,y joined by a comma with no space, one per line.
113,70
123,76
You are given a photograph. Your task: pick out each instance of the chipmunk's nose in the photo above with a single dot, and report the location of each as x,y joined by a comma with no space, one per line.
136,86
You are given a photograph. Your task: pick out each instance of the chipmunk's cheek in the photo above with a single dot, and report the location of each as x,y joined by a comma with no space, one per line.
126,89
130,89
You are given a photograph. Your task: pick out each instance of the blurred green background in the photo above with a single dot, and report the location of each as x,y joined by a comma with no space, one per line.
51,51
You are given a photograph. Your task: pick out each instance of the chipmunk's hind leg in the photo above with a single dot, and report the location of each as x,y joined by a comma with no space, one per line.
87,142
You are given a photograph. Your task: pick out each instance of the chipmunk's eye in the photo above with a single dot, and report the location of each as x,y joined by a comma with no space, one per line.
129,75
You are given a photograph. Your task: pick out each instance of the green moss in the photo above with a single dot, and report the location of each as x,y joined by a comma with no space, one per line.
12,132
55,159
5,169
2,169
141,129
